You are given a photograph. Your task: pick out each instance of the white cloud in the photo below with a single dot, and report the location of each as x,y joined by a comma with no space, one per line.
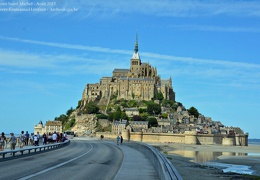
101,61
173,8
190,60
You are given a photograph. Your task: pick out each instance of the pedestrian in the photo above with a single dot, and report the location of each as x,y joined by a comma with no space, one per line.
38,136
49,138
54,137
12,141
44,139
121,140
21,139
2,141
32,139
27,137
101,136
36,140
117,139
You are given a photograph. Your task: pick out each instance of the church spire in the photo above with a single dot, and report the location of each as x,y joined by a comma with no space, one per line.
136,43
136,54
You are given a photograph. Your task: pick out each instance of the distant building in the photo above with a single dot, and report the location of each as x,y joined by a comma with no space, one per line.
164,122
130,112
139,82
138,126
119,126
50,127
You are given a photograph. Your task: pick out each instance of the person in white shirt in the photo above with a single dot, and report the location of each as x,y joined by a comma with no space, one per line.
54,137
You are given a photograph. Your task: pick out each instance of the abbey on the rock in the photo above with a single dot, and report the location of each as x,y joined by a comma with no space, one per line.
140,82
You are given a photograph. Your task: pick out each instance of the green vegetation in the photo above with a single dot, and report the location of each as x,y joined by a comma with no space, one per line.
70,124
91,108
154,109
142,110
193,111
101,116
152,122
133,103
158,96
117,115
79,104
164,115
66,123
114,95
144,116
147,111
168,103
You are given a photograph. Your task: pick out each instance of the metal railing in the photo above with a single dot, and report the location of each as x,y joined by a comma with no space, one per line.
32,149
162,165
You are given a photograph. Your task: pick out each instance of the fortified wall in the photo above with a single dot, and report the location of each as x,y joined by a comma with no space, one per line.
189,137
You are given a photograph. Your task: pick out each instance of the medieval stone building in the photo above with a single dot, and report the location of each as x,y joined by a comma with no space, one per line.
139,82
50,127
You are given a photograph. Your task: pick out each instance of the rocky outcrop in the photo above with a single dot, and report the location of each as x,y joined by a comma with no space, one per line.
85,124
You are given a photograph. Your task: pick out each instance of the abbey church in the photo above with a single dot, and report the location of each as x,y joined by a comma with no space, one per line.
139,82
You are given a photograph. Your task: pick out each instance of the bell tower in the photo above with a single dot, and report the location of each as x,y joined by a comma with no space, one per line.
135,63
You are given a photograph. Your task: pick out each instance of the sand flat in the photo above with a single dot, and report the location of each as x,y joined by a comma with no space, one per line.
193,161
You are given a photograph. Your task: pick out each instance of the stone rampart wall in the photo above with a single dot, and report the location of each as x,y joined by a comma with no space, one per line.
187,138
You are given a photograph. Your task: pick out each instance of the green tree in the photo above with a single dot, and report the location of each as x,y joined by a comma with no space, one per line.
124,116
70,111
153,109
132,103
159,96
79,104
193,111
167,103
142,110
110,117
101,116
164,115
117,115
124,104
144,116
63,118
72,122
152,122
91,108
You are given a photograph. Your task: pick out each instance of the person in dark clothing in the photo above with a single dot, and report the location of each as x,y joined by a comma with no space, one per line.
121,140
27,137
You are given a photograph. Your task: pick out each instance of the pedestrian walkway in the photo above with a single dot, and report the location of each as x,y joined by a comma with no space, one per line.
135,166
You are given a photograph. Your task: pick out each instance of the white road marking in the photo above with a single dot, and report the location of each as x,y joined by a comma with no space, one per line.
54,167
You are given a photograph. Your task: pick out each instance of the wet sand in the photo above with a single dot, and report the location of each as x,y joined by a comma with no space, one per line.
206,161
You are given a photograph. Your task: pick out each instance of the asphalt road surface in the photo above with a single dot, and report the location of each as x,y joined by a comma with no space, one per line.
79,160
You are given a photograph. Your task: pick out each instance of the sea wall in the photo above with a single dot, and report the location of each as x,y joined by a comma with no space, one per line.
189,137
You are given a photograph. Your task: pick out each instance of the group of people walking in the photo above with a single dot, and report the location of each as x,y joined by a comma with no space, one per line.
119,140
25,139
3,141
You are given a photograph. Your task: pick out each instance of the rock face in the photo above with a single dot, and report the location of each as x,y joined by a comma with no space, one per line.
85,124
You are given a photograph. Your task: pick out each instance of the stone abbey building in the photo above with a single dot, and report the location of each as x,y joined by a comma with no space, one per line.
139,82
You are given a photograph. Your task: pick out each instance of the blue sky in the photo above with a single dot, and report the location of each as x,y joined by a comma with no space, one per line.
209,48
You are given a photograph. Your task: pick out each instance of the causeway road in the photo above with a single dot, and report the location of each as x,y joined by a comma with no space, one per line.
81,159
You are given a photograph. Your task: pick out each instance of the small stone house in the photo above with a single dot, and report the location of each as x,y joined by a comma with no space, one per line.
137,126
130,112
119,126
